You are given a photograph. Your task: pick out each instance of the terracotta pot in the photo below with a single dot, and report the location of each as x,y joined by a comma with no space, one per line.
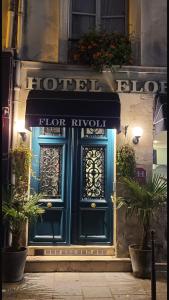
13,264
140,261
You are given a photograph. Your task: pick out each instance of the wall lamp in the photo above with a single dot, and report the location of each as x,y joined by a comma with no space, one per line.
20,128
137,133
23,136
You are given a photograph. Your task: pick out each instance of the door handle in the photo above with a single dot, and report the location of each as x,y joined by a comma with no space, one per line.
49,204
93,205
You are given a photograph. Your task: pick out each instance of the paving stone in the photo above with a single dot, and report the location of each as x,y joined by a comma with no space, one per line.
161,287
121,278
131,297
127,288
161,296
60,276
99,292
68,297
97,298
92,276
82,286
71,291
94,283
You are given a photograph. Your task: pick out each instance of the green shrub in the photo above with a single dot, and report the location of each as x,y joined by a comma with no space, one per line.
126,162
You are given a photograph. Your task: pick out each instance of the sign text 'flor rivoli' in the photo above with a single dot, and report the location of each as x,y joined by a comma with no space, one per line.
93,85
58,122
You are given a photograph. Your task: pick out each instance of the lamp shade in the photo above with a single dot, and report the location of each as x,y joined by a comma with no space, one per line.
20,125
137,131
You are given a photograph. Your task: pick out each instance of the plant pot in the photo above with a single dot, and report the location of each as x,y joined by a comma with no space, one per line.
140,261
13,264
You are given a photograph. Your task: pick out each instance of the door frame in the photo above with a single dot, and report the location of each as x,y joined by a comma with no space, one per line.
69,166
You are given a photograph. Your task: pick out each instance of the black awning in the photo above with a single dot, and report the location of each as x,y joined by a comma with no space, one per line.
160,113
73,109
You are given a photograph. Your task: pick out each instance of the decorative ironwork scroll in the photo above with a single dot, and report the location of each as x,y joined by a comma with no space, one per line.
50,170
94,172
54,131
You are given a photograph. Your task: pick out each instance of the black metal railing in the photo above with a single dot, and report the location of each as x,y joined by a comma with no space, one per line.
153,271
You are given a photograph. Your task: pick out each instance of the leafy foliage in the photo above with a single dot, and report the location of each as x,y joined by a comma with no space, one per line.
126,162
99,48
143,201
17,210
21,160
18,206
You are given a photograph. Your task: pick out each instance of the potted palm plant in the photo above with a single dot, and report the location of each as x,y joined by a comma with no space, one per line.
18,208
16,211
143,201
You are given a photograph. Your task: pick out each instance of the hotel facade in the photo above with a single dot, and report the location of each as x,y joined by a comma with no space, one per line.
74,118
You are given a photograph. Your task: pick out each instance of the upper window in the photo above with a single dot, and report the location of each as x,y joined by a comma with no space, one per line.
108,15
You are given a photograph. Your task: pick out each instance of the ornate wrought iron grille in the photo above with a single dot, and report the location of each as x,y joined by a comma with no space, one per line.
94,132
54,131
94,172
50,170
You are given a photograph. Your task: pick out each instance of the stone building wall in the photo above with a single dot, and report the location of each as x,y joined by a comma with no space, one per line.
148,27
41,30
47,29
137,110
153,33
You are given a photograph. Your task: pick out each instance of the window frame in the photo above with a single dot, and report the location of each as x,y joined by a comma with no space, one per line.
99,17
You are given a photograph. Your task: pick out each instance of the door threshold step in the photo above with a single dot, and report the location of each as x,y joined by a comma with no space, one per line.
77,264
71,250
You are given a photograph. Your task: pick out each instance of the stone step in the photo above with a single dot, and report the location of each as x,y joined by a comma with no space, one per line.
71,250
77,264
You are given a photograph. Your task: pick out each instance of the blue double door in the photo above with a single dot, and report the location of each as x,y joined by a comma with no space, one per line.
74,171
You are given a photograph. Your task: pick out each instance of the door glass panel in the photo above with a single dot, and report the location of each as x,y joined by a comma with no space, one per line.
51,170
52,131
93,132
94,172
